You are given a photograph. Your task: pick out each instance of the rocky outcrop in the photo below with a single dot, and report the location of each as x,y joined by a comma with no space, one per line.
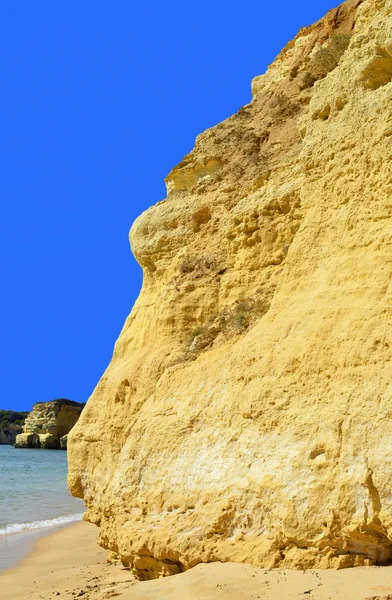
8,435
11,424
246,413
48,423
63,442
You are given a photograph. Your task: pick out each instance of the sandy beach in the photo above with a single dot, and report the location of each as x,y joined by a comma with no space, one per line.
69,564
66,564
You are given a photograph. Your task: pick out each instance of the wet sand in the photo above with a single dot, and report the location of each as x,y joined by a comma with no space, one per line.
16,547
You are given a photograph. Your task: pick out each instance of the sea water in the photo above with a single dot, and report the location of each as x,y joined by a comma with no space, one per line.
34,499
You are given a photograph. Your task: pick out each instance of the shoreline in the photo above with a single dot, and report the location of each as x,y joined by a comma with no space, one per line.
64,563
17,545
68,563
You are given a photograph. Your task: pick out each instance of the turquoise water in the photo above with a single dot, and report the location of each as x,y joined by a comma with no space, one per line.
33,498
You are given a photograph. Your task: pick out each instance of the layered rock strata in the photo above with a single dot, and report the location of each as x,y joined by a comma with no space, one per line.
246,413
48,423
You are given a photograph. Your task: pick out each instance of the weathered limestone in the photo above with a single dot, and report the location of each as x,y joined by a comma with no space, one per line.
246,414
48,423
27,440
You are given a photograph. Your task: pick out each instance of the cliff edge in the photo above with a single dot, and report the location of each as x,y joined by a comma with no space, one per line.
246,413
48,424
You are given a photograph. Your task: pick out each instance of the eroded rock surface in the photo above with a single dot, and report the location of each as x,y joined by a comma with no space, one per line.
47,423
246,413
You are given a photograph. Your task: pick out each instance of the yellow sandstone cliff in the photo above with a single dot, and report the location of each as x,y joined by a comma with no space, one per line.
48,424
246,414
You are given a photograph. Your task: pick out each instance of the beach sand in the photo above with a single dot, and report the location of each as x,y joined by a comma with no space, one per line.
69,564
65,564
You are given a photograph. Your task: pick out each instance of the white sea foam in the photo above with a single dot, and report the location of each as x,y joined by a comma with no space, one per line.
23,527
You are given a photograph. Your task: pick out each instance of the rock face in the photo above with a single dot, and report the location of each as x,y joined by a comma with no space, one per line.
11,424
246,414
47,423
8,435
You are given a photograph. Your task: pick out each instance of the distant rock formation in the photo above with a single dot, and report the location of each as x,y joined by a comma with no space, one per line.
246,414
11,424
8,435
48,423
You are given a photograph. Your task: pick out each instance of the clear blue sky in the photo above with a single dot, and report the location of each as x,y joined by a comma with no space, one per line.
98,101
